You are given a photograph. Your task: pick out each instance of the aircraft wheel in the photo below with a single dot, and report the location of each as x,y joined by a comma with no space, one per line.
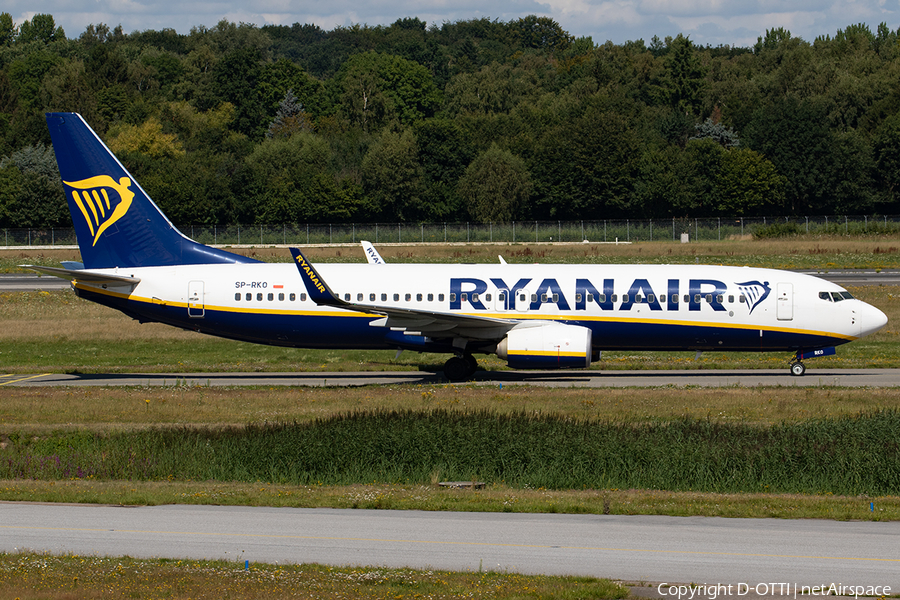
472,363
798,369
456,369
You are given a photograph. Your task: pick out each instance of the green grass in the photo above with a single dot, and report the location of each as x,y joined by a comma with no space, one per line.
846,456
30,576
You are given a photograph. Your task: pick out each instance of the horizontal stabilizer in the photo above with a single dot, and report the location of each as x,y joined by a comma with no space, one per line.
83,276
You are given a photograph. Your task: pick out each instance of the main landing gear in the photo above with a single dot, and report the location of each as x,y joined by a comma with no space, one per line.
460,368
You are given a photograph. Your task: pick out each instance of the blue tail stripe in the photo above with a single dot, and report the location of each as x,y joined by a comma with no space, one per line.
116,222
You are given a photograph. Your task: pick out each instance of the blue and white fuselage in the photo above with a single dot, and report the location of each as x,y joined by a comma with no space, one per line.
532,315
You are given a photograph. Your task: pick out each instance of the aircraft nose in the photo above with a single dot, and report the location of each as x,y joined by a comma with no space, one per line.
871,319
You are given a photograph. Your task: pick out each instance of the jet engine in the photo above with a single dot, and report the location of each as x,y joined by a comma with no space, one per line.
546,346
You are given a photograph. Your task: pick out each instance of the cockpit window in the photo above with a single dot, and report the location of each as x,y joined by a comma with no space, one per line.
847,295
836,296
825,296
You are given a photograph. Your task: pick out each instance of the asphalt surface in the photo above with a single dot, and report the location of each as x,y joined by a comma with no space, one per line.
600,379
632,548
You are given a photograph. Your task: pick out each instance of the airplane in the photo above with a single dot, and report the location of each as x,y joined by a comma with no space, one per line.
532,316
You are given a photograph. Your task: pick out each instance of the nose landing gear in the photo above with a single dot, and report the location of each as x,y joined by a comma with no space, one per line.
798,368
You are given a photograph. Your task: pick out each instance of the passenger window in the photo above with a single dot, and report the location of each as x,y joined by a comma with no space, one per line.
464,297
249,296
543,298
359,297
474,297
742,299
696,298
408,297
384,297
709,298
487,297
637,299
259,297
674,298
522,297
625,298
371,297
534,297
452,297
237,296
615,298
281,297
271,297
651,298
577,297
730,298
687,298
347,297
396,297
430,297
302,297
501,296
720,298
293,296
418,297
556,297
440,297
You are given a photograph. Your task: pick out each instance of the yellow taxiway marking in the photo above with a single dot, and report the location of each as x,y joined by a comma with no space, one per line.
20,379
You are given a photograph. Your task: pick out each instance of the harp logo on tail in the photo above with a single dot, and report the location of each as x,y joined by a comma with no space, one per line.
102,201
755,292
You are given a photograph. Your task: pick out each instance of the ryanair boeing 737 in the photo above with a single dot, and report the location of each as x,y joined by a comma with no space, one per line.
532,316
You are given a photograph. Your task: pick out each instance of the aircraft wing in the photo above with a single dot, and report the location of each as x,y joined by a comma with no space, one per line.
85,276
412,321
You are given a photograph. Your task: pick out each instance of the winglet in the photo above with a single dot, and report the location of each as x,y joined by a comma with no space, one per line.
372,254
318,290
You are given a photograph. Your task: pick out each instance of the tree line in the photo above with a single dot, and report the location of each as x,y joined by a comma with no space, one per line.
479,120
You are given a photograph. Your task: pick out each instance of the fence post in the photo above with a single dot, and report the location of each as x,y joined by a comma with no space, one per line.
719,219
514,232
354,232
330,233
535,232
260,236
422,225
627,231
559,231
307,234
239,234
376,233
467,232
604,230
651,230
846,225
582,231
492,231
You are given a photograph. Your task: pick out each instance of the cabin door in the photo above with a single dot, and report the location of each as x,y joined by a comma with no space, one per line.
784,309
195,300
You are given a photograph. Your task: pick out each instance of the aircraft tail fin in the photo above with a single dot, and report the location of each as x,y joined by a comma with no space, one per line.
116,222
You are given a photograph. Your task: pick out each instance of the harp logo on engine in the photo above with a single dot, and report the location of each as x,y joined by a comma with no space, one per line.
102,201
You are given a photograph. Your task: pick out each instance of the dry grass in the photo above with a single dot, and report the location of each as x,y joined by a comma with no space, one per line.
44,577
46,409
804,252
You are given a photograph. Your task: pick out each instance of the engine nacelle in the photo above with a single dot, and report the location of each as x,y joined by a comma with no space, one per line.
546,346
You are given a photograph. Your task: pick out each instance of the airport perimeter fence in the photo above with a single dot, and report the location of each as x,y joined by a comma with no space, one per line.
607,231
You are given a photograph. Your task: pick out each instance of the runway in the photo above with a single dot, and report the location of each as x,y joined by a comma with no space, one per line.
631,548
588,379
